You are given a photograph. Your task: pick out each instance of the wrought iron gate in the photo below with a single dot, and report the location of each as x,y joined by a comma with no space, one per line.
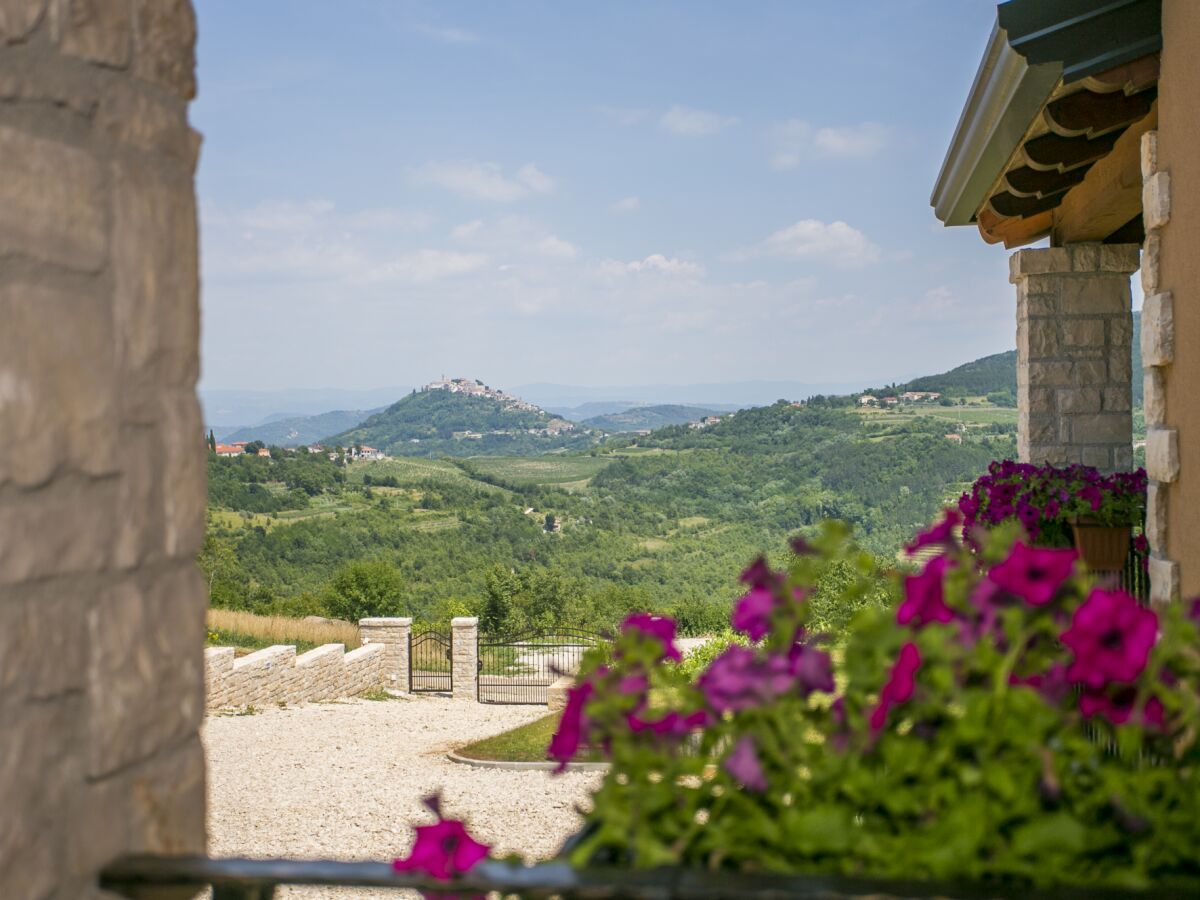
520,668
430,661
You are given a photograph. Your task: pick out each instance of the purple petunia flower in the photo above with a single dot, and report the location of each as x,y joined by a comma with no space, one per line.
660,627
572,727
752,613
940,534
1034,573
744,765
924,597
900,686
442,850
1111,636
738,679
673,724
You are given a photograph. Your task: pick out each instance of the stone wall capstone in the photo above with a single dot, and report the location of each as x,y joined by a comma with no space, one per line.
102,472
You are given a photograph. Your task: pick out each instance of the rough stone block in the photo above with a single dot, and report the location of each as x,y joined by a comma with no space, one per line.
1040,429
1162,454
155,276
166,53
1041,400
1041,336
1118,399
1089,372
1150,253
1120,330
1042,305
100,31
140,532
18,18
52,202
1123,258
1099,457
57,384
1054,454
1158,330
1156,517
1105,428
1120,365
1079,400
1164,581
1049,374
1154,403
1083,332
1038,262
140,116
1156,200
61,529
145,670
1096,295
556,694
43,646
1149,154
1085,257
1122,458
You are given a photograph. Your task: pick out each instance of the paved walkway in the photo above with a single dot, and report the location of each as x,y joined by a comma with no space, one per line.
345,780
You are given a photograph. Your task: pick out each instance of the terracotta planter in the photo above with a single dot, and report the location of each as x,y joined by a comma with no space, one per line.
1104,548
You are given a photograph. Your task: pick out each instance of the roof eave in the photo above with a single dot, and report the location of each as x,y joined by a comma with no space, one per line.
1006,96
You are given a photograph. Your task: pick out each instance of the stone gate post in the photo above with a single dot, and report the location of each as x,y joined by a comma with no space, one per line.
394,634
465,666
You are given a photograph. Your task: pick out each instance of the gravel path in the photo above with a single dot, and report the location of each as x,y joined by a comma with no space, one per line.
345,779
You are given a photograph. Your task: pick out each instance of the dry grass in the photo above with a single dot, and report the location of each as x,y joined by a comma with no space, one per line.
281,629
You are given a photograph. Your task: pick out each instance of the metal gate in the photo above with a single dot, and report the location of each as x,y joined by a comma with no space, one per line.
430,655
520,668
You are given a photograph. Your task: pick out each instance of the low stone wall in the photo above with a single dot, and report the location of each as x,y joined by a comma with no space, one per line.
277,675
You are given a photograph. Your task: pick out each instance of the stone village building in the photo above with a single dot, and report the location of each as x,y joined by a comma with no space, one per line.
1078,127
1082,127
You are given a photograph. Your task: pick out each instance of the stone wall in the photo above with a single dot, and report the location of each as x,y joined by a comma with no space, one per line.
276,675
1074,342
102,463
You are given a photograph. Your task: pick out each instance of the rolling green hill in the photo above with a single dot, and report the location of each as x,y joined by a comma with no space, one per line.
441,423
300,430
650,417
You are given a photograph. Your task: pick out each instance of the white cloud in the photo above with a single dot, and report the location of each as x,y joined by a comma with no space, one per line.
626,204
834,242
556,246
466,230
425,265
535,179
858,141
447,35
795,140
654,263
482,181
690,122
624,116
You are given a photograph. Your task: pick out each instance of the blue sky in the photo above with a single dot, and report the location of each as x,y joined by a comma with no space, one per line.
586,193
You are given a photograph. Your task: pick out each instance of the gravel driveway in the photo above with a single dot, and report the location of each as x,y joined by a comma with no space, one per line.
345,779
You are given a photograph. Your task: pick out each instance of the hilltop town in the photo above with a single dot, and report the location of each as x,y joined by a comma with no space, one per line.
473,387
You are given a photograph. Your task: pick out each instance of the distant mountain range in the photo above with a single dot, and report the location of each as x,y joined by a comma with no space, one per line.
233,409
643,418
299,430
734,395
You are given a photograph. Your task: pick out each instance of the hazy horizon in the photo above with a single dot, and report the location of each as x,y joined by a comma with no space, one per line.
660,193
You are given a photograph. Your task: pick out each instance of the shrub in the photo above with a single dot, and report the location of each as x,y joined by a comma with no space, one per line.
1009,721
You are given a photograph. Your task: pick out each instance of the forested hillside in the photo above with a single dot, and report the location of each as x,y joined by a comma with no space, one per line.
300,430
665,521
650,417
441,423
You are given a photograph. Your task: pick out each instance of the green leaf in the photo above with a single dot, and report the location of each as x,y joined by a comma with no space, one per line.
1059,832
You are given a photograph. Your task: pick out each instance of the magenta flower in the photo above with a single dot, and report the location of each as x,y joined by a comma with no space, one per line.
924,599
660,627
1034,573
1093,495
759,574
633,685
672,724
941,534
572,727
812,668
752,613
1119,707
1111,637
1052,684
442,850
738,679
744,765
900,686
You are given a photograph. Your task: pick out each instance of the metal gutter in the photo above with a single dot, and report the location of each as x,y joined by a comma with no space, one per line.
1006,96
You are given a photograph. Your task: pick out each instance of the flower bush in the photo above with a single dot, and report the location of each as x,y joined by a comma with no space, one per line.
1004,721
1046,499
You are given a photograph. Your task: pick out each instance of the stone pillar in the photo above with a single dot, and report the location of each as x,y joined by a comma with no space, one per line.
102,466
394,634
1074,336
1158,353
464,632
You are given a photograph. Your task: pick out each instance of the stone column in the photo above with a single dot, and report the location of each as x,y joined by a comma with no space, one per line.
1158,354
1074,336
394,634
102,460
465,666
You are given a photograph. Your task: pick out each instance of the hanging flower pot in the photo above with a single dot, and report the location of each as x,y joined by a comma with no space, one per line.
1104,548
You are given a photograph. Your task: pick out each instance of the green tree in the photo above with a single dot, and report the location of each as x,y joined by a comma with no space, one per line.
549,522
364,588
